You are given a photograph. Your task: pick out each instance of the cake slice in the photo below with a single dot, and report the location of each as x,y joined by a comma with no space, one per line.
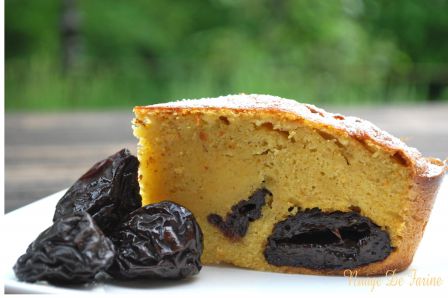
287,187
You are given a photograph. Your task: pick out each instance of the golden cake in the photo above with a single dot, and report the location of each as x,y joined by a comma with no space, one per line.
281,186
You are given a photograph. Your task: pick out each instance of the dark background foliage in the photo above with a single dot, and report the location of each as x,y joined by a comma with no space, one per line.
65,54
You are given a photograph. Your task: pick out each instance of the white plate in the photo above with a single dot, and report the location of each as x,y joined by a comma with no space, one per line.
23,225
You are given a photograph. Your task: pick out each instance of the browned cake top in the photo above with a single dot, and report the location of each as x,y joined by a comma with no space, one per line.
362,130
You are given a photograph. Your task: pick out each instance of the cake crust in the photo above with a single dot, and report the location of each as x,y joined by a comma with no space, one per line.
427,173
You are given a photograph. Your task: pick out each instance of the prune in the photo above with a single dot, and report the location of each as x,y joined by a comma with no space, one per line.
237,221
73,250
108,191
326,240
158,241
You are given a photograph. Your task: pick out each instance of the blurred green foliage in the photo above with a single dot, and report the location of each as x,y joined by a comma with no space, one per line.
147,51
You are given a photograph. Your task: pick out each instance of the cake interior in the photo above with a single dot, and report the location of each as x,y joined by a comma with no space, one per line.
209,160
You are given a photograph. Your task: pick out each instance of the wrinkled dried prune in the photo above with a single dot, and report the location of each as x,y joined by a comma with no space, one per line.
73,250
237,221
159,241
326,240
108,191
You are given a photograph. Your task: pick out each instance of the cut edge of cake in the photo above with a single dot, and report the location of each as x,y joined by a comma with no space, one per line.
427,173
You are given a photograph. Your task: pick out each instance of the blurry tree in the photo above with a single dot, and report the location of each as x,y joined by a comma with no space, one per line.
140,51
70,35
420,31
